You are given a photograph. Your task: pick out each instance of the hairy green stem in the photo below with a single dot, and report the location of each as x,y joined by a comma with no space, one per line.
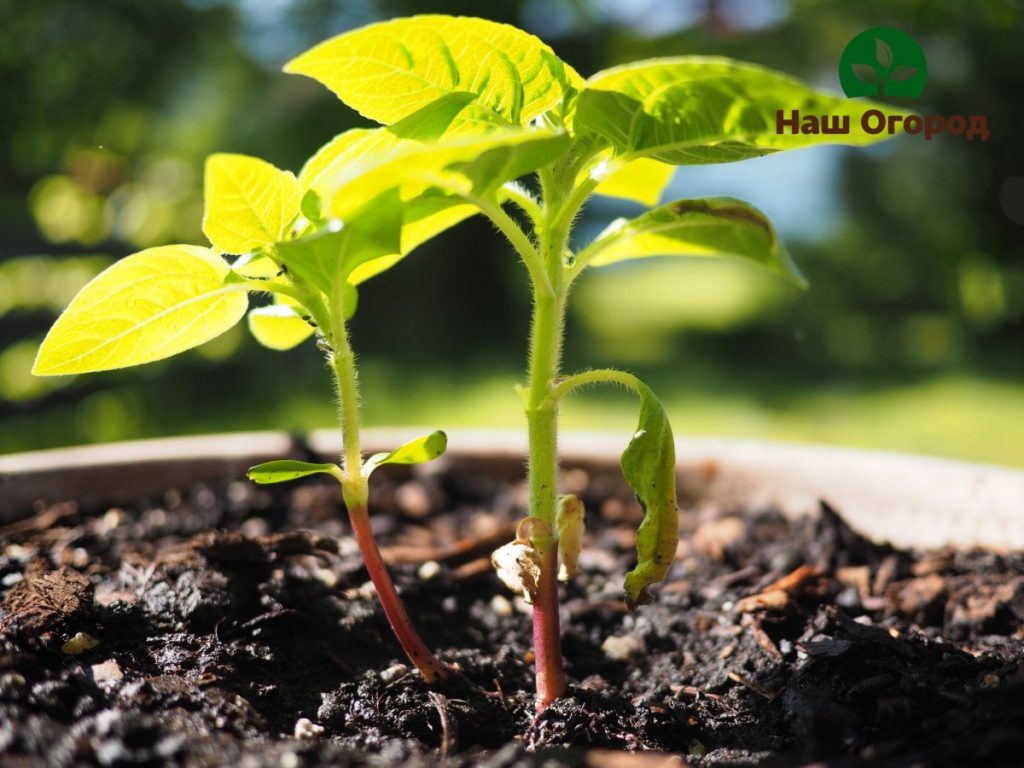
598,376
344,363
542,421
355,490
524,200
531,258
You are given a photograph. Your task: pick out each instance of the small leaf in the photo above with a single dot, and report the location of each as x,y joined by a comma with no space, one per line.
147,306
310,206
640,180
278,326
249,203
901,74
714,226
284,470
416,451
389,70
649,466
254,265
883,53
327,258
351,301
865,73
692,110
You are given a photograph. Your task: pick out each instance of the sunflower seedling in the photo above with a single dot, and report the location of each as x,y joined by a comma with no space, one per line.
468,108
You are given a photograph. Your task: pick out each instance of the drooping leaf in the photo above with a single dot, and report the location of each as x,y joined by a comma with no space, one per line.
641,180
327,258
418,451
883,53
285,470
692,110
147,306
389,70
865,73
278,326
649,466
713,226
248,202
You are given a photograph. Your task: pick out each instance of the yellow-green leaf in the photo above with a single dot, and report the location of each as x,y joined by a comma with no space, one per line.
148,306
694,109
389,70
278,326
713,226
249,203
416,451
360,164
641,180
327,258
285,470
425,217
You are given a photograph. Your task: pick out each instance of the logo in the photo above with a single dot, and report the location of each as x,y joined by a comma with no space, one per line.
883,62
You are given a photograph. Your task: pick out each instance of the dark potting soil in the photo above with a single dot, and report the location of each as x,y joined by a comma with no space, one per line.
234,625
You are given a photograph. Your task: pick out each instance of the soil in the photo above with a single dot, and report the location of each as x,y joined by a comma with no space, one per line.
230,624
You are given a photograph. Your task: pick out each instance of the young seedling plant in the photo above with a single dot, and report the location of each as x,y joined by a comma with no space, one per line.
165,300
468,107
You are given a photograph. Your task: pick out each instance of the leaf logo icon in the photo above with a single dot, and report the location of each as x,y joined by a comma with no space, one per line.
883,62
883,53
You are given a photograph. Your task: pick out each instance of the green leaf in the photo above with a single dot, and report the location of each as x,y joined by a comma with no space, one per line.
147,306
355,146
284,470
641,180
389,70
714,226
649,466
249,203
417,451
692,110
425,217
327,258
378,160
252,265
278,326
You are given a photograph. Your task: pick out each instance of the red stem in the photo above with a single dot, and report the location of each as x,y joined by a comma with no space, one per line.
432,668
547,636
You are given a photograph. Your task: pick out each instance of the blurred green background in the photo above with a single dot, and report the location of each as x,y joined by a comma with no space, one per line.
910,338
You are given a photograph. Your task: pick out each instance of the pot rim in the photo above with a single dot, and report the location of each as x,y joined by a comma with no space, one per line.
908,500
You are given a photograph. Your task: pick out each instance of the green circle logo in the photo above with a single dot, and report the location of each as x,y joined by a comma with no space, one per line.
883,62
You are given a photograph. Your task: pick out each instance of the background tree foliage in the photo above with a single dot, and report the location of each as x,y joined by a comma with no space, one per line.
910,338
